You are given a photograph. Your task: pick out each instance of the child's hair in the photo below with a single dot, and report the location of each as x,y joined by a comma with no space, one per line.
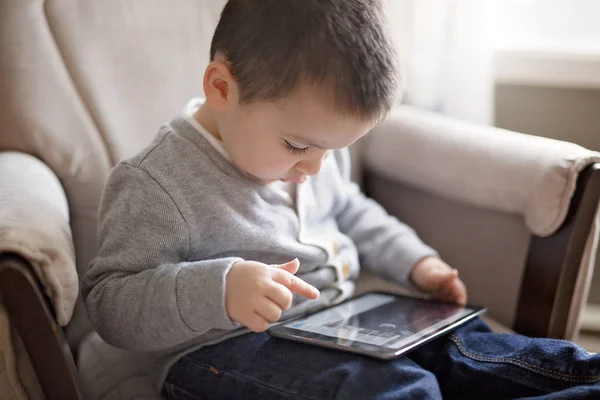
341,47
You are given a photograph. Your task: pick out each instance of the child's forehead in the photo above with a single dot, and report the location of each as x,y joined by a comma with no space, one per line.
308,117
313,105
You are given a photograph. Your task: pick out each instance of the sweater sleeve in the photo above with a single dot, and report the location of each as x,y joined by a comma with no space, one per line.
139,292
385,245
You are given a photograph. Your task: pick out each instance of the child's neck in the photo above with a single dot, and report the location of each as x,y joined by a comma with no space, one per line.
206,118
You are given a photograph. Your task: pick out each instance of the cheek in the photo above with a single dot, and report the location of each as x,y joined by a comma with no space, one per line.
271,158
262,157
258,152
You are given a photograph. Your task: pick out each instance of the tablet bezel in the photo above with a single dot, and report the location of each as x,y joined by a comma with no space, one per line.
386,353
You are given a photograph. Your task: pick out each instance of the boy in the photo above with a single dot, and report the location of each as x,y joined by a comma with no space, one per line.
198,230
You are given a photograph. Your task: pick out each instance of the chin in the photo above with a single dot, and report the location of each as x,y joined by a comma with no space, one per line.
264,181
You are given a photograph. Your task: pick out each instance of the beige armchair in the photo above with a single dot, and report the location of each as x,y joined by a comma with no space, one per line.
85,84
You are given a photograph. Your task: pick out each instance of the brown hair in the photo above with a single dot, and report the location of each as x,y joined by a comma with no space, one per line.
339,46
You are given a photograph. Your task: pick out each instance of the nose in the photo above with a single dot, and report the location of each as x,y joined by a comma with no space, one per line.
311,166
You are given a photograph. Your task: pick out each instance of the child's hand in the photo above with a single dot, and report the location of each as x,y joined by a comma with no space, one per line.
438,278
256,294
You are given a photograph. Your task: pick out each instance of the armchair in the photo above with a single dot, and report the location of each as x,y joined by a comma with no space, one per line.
86,84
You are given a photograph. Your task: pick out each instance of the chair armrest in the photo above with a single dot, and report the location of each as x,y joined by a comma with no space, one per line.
548,299
483,166
31,313
553,186
34,223
38,279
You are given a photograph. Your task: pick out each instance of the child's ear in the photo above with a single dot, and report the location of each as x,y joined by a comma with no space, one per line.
220,87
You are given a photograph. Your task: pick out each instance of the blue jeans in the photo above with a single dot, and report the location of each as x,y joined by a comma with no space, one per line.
471,363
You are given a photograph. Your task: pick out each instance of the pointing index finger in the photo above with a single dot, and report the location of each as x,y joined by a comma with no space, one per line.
295,284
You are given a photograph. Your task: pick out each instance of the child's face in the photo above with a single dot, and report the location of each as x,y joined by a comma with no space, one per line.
287,139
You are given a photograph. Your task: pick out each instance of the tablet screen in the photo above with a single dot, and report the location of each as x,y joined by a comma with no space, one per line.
379,320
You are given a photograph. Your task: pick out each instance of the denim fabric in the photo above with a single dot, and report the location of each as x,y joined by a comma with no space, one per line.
471,363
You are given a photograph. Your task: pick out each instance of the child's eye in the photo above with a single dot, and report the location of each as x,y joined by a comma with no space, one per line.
293,149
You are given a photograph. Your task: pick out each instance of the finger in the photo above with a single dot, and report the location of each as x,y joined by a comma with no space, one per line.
461,293
439,280
442,295
447,285
280,295
296,285
444,291
449,277
450,297
461,299
268,310
256,323
452,286
456,292
290,266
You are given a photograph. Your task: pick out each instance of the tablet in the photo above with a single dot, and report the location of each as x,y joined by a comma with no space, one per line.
377,324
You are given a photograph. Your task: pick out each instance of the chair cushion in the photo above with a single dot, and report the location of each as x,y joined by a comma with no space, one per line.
495,325
108,373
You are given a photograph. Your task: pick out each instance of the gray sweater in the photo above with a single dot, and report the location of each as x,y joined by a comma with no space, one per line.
175,217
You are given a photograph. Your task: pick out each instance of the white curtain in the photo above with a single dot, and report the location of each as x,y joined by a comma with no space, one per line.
446,52
547,25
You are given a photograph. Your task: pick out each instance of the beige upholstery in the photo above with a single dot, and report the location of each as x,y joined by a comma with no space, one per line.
477,194
86,83
499,170
488,248
34,222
